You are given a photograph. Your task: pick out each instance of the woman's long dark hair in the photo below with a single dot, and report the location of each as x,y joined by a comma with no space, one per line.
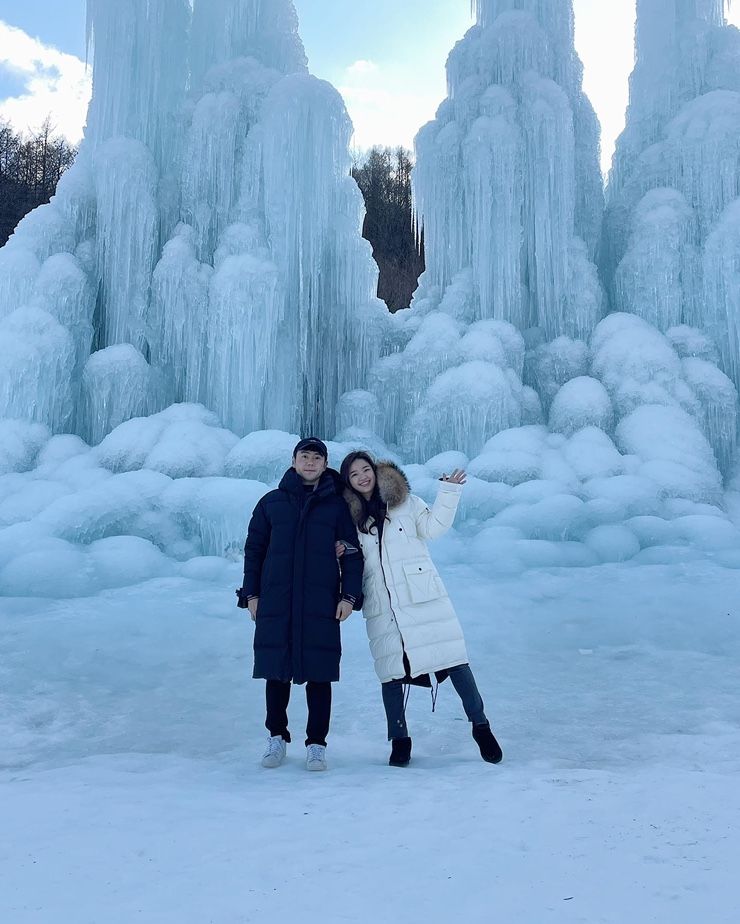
375,509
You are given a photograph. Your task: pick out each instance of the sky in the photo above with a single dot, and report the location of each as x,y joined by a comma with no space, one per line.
388,66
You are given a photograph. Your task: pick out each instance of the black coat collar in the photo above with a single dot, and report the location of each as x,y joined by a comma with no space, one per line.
329,483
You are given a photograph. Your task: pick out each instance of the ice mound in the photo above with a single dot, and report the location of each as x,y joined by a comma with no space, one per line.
183,441
20,444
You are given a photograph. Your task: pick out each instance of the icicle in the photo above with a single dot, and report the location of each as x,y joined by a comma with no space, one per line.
669,233
494,192
127,237
556,19
177,318
139,71
243,324
37,368
228,29
718,399
262,300
507,188
549,202
650,280
19,268
313,214
117,385
722,289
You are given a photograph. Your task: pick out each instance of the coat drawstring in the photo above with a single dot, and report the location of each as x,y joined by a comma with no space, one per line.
434,691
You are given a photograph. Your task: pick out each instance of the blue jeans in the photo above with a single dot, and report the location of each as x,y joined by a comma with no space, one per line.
462,680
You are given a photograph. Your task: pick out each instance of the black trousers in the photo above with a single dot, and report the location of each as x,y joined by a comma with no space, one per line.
318,699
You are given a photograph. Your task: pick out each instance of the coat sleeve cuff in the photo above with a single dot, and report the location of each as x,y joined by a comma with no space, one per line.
450,487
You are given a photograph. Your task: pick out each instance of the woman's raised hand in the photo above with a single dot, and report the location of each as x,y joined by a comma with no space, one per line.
457,477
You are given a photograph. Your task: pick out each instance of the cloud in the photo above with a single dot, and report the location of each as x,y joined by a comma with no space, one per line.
55,84
383,114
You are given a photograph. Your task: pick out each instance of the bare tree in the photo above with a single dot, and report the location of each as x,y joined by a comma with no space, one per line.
30,168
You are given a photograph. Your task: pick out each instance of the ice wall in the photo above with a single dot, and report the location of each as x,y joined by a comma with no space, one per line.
508,190
214,225
677,164
669,248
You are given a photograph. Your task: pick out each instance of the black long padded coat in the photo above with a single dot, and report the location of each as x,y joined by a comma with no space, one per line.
290,563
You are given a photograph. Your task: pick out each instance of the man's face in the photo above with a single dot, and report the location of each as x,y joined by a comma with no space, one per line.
309,465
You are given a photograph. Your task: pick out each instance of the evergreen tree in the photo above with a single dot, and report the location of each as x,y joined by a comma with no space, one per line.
384,177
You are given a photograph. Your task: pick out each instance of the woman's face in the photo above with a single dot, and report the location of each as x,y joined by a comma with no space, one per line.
362,477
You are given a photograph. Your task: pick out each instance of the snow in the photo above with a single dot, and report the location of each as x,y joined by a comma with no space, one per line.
131,778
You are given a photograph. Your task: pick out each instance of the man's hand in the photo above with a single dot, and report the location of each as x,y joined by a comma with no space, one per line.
253,604
344,610
339,549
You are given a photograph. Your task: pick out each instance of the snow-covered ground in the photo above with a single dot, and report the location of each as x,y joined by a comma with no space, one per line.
131,734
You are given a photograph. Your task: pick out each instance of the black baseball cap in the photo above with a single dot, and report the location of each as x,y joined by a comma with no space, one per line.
311,444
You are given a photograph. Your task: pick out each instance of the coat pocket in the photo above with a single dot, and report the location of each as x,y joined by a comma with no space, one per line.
422,580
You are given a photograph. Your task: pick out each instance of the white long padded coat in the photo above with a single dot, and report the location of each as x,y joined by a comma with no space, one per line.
406,606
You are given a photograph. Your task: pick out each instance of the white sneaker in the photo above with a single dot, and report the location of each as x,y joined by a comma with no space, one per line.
275,753
316,757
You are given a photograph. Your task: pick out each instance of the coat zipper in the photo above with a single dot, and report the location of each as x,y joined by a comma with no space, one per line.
387,589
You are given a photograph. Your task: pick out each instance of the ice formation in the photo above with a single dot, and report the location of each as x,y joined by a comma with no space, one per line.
206,243
197,294
670,234
508,190
509,196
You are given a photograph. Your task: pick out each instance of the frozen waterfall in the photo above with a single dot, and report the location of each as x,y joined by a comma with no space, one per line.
669,248
205,249
209,228
508,190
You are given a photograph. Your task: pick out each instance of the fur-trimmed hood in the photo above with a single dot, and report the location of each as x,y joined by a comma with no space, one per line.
393,486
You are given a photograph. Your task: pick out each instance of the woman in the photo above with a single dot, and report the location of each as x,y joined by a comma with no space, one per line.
410,620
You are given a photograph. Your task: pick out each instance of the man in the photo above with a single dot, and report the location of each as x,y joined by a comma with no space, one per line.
298,594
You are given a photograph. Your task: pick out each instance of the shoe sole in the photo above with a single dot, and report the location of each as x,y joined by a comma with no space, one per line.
316,768
271,765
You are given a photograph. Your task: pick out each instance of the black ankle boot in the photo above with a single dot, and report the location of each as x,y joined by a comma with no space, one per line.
490,750
400,752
